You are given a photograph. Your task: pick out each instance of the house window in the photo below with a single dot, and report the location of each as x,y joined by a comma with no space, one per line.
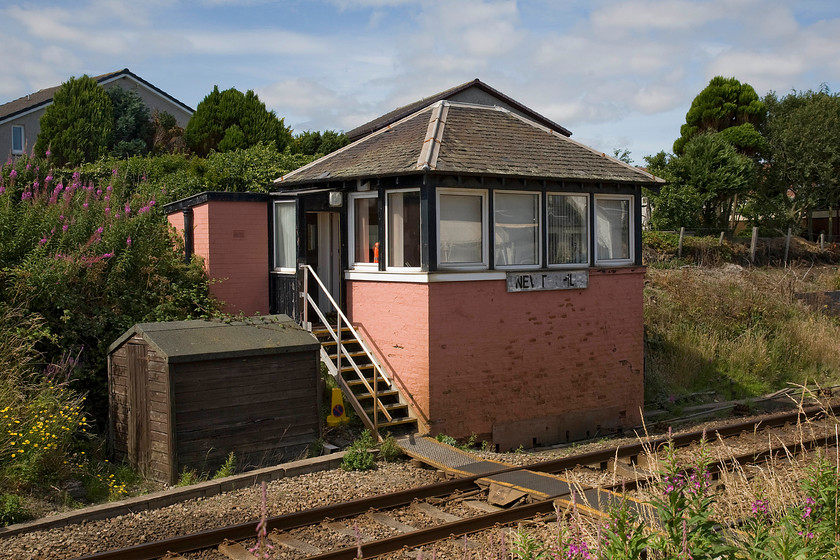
364,230
516,229
568,229
403,221
17,139
285,226
614,229
462,229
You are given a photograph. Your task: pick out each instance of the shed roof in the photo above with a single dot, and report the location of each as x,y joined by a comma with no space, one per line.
454,137
192,341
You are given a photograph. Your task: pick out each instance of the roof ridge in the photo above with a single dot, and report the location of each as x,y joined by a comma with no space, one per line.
434,137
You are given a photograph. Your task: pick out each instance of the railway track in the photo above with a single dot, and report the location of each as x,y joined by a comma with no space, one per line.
430,513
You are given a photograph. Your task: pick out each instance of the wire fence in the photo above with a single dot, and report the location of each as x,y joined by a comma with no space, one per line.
712,247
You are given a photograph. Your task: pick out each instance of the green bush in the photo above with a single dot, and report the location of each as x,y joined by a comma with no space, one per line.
389,450
359,457
228,468
12,510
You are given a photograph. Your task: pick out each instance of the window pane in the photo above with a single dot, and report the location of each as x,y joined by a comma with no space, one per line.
461,228
366,230
404,229
613,219
284,235
17,139
517,229
567,226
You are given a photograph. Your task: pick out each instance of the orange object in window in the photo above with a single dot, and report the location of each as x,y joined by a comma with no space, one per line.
376,252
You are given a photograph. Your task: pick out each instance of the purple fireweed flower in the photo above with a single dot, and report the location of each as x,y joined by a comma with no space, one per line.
26,195
151,203
28,166
107,210
42,241
109,188
100,229
760,507
85,205
65,227
13,173
107,198
76,175
144,178
127,209
35,185
48,153
2,189
116,215
98,192
48,179
128,241
114,171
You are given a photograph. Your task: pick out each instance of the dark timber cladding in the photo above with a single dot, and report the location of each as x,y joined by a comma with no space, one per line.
185,394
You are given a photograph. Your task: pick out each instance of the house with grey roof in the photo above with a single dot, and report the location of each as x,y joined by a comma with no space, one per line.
20,119
489,263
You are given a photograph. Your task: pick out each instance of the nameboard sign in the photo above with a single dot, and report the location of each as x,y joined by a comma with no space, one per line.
555,280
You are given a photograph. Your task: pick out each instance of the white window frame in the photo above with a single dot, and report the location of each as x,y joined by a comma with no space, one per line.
388,232
538,217
485,242
284,269
351,232
587,236
18,151
631,235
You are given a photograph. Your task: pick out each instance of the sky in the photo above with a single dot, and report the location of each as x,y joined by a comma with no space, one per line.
620,74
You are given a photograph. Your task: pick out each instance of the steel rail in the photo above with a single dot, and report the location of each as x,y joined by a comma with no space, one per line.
483,522
214,537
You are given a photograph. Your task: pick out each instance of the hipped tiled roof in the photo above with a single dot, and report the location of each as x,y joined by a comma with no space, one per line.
45,96
459,138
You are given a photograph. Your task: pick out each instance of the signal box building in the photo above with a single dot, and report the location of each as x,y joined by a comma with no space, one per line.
490,262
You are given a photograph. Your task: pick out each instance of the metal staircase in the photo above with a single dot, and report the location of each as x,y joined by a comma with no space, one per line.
365,384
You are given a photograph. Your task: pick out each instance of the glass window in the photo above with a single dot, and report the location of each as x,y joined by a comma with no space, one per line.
17,139
403,229
613,223
517,229
462,229
285,222
568,229
365,232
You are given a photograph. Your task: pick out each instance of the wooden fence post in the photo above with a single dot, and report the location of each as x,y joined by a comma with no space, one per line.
720,241
822,242
787,246
679,247
752,245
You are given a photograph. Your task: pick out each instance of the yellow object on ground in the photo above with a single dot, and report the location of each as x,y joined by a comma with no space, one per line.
337,415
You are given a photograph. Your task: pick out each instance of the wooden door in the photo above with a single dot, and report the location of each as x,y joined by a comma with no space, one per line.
138,433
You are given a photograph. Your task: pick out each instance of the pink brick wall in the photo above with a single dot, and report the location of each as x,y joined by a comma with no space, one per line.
232,238
393,317
523,365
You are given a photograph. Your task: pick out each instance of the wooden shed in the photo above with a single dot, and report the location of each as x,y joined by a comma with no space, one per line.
185,394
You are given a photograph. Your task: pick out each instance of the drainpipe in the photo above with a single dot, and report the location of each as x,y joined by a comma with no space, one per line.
188,235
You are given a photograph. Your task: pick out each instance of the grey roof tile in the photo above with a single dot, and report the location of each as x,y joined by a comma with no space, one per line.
474,139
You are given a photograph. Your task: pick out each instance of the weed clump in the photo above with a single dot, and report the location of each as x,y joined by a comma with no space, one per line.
359,457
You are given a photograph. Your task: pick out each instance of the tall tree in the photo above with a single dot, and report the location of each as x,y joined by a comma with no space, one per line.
133,128
804,138
728,106
77,126
232,120
311,143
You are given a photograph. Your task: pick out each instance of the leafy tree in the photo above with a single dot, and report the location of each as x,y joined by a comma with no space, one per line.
623,155
312,143
167,136
232,120
727,106
77,126
804,139
702,184
133,129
